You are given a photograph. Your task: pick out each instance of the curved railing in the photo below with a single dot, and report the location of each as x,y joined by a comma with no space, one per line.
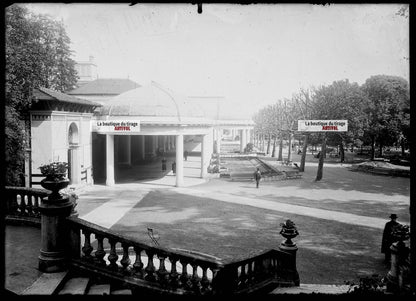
22,204
171,271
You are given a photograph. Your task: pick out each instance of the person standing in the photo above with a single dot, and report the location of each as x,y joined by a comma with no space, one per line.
164,164
174,167
257,177
387,239
185,155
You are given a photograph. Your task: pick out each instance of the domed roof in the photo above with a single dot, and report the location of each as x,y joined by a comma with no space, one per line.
151,100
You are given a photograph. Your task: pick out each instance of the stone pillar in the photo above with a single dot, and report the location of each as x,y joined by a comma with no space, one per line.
142,147
128,150
110,160
242,140
393,283
28,172
75,166
54,233
290,247
204,156
164,144
179,160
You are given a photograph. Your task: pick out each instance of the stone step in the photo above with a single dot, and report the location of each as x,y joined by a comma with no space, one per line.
99,289
46,284
75,286
331,289
122,292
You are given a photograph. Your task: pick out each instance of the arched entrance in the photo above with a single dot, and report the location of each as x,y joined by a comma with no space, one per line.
74,170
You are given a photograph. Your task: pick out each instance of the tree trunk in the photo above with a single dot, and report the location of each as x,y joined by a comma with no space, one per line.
289,151
305,147
280,158
268,145
274,147
321,160
373,148
341,150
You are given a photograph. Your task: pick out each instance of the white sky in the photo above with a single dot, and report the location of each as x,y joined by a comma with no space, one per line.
251,54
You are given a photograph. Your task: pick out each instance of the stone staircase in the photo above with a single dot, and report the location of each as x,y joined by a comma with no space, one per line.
69,283
327,289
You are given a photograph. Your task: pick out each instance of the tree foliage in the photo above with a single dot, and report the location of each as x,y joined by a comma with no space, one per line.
37,55
379,110
388,112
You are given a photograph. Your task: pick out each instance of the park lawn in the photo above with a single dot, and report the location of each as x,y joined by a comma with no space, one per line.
330,252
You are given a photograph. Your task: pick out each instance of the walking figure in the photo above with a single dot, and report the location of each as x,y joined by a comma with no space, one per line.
174,167
257,177
164,164
387,239
185,155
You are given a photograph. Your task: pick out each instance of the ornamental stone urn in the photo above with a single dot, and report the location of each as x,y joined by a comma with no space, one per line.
289,232
54,184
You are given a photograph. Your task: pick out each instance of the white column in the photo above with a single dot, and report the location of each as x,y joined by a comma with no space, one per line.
204,156
128,150
75,166
164,144
153,144
179,160
241,134
110,160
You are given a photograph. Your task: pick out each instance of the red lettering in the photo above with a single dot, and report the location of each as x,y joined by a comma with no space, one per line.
122,128
330,128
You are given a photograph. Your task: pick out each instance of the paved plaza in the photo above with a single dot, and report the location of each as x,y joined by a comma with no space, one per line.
340,218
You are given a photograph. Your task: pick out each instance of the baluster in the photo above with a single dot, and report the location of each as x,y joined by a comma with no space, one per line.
22,206
150,269
243,276
125,261
100,253
196,285
173,276
29,205
112,258
205,281
36,212
87,248
250,272
138,264
162,273
184,278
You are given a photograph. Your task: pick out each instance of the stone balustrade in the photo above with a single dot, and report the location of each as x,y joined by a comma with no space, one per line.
164,270
22,204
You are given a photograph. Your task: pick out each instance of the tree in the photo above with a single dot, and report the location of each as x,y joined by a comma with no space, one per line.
388,113
37,54
303,102
341,100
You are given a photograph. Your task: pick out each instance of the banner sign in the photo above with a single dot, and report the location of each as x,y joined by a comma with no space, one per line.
322,125
116,126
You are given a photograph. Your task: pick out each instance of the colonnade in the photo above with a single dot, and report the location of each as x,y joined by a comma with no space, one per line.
163,143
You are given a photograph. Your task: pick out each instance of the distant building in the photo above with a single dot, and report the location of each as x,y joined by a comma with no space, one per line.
101,90
87,71
109,122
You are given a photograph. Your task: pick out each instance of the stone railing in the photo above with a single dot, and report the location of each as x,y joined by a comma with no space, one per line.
22,204
168,271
